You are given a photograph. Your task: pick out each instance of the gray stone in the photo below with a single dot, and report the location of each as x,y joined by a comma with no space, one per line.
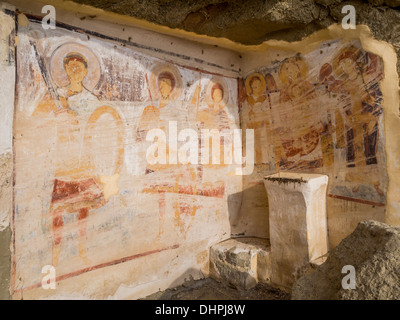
373,249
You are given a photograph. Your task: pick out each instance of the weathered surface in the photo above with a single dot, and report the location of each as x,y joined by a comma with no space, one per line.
5,230
7,84
5,189
241,262
298,223
374,251
5,263
72,182
255,21
306,130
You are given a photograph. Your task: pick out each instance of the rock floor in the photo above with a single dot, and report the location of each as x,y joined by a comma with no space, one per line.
209,289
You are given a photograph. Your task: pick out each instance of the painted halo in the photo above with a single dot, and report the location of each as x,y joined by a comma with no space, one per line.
222,83
252,76
57,70
154,85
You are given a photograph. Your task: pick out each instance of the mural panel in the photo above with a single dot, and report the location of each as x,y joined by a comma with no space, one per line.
91,188
321,112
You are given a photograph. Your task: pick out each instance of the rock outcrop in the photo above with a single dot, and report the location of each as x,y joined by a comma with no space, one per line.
255,21
373,249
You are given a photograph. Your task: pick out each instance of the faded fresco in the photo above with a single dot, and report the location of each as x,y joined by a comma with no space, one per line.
321,112
87,191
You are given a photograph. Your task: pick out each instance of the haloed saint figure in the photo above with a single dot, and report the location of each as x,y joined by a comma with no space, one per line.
76,68
363,111
76,189
214,116
257,117
218,106
300,108
164,89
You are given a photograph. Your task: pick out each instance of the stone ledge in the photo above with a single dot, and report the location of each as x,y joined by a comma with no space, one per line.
241,262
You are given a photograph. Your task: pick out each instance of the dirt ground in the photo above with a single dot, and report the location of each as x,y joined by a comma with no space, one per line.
209,289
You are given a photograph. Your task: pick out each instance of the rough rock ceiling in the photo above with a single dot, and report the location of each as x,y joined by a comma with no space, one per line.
254,21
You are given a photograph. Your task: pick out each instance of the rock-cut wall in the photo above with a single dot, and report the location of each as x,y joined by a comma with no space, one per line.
119,215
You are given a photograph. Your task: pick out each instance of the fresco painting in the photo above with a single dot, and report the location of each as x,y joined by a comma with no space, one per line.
94,119
78,187
321,112
93,196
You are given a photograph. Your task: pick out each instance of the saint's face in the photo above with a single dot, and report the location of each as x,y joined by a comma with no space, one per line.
292,71
76,71
349,68
217,95
256,87
165,88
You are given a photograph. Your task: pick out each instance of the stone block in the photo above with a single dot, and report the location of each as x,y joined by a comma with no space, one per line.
241,262
298,223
